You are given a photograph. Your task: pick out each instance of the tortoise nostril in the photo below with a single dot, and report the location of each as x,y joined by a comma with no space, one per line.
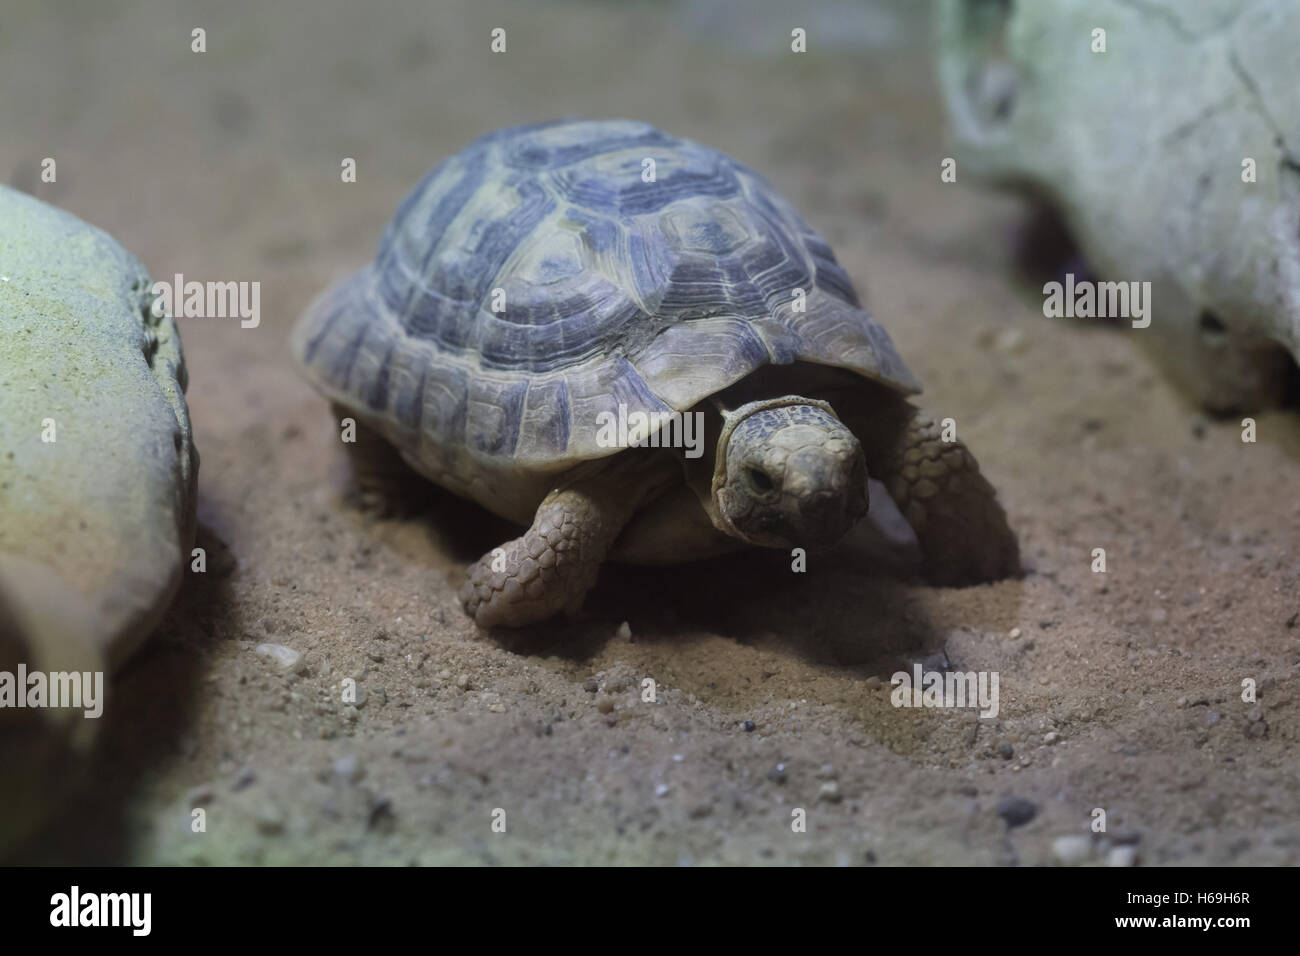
825,518
1212,327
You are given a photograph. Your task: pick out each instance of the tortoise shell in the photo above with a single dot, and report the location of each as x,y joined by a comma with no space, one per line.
551,272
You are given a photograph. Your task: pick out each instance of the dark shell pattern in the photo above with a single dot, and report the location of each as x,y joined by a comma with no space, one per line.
616,290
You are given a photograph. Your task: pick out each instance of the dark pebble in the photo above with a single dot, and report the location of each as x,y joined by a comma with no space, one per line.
380,812
1006,751
749,726
1017,811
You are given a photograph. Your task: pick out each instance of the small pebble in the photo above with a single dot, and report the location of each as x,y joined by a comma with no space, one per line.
624,632
605,705
1011,341
270,821
462,681
777,774
1071,850
830,792
380,811
749,726
1015,632
286,657
590,685
348,769
1006,751
1122,856
1017,811
1051,737
661,789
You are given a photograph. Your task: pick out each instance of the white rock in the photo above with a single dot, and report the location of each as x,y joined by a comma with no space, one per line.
286,657
1122,856
349,769
1071,850
830,792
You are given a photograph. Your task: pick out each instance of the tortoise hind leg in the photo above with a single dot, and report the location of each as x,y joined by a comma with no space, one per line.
385,486
962,530
553,565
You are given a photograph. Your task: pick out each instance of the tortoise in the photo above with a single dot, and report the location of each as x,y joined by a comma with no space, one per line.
97,460
551,278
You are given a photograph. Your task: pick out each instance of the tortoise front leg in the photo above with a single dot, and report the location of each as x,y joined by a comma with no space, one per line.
555,563
384,485
937,485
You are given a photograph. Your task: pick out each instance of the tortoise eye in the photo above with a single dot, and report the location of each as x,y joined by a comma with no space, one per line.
760,479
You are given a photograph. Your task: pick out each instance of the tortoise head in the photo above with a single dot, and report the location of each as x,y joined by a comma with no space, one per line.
788,473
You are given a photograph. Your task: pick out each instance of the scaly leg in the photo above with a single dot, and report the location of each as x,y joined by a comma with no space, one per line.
962,530
553,565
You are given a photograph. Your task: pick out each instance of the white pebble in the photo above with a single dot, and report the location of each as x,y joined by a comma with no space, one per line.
1071,850
348,769
286,657
624,632
830,792
1122,856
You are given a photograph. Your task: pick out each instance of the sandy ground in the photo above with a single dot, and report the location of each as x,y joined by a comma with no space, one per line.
1119,691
